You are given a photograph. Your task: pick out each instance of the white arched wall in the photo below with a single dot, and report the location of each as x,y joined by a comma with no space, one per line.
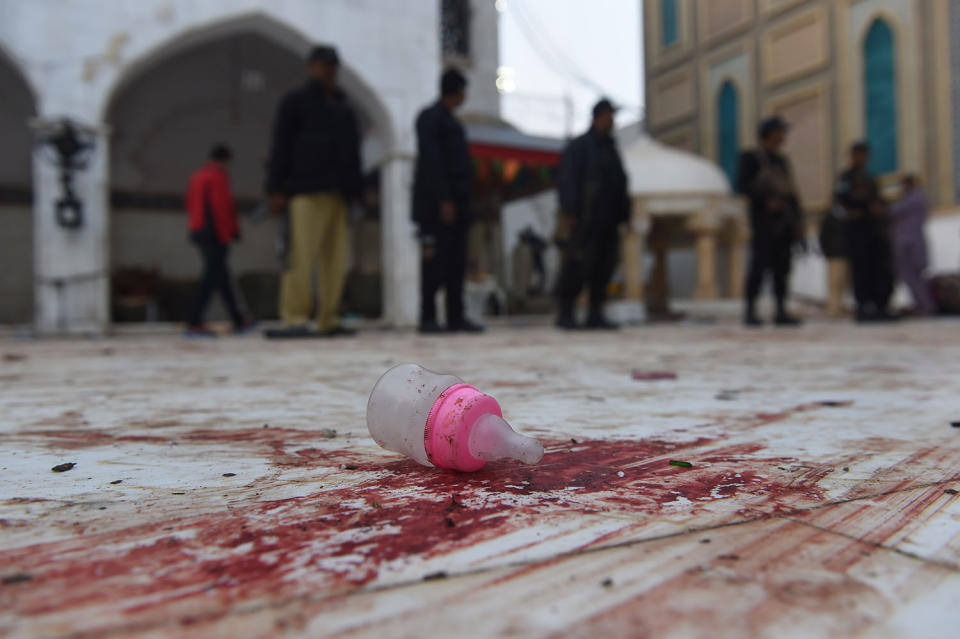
86,50
362,96
19,104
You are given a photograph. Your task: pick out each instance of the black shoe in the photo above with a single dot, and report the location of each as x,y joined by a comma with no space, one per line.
887,316
785,319
199,331
430,327
870,315
567,323
752,321
246,326
600,323
466,326
291,332
338,331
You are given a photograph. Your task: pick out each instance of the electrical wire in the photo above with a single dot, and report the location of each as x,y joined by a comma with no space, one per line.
554,56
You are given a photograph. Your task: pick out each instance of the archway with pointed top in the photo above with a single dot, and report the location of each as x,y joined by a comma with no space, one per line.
283,35
220,82
18,106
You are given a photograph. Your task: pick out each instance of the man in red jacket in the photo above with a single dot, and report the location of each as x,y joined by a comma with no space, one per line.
212,219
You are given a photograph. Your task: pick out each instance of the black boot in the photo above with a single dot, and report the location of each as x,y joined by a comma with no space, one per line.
597,321
430,327
783,318
750,316
466,326
565,318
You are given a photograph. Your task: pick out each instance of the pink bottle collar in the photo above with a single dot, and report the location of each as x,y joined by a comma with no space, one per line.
446,435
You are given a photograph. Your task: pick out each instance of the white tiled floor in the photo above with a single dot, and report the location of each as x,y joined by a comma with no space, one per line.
206,499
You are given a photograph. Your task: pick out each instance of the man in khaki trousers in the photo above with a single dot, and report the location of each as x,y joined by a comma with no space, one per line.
317,248
833,245
314,171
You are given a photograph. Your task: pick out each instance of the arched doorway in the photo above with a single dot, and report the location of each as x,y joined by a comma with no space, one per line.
728,130
16,195
218,84
880,96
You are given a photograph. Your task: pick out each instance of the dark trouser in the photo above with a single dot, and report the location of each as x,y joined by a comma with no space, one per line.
869,250
216,278
444,266
770,253
589,258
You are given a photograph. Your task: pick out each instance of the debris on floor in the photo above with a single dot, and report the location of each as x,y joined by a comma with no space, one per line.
650,376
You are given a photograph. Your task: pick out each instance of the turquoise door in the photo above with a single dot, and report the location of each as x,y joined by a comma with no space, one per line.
728,130
880,97
668,22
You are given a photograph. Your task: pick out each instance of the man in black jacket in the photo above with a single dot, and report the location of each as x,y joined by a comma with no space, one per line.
868,237
315,169
776,221
592,187
441,206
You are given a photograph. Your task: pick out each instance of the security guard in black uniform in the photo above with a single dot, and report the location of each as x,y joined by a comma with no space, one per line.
776,222
868,237
592,186
441,206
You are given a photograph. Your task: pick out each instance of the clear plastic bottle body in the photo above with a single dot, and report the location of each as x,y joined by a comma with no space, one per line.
399,406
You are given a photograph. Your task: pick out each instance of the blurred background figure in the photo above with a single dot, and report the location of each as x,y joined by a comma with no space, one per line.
592,187
909,215
441,206
315,170
534,246
833,245
868,239
765,178
212,220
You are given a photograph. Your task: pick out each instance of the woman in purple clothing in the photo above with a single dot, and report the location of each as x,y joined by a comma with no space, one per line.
909,244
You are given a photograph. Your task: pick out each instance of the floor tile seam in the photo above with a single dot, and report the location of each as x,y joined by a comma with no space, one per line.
946,565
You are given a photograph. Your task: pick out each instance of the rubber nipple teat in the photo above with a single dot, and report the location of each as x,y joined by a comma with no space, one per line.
492,438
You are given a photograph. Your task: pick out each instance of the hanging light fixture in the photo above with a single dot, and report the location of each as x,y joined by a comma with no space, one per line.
70,146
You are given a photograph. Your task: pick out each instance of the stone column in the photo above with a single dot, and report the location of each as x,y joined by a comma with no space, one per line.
400,263
705,227
658,288
71,265
739,237
634,247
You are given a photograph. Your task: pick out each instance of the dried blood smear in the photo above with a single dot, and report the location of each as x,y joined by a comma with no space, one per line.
341,538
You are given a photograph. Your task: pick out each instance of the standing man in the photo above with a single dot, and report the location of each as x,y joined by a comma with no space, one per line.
776,223
909,243
592,187
212,221
441,206
868,240
315,170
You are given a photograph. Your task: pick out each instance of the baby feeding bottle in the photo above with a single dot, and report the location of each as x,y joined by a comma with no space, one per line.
438,420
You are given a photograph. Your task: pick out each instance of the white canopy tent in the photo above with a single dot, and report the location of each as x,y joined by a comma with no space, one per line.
679,198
